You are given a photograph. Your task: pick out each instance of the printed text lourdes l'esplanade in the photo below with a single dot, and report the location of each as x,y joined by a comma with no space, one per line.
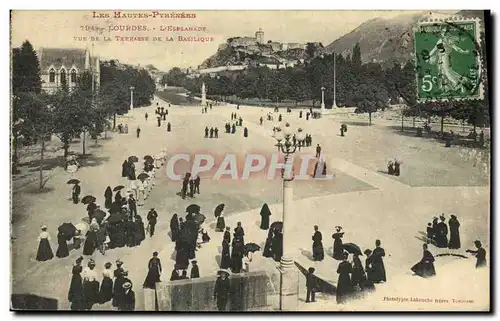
142,15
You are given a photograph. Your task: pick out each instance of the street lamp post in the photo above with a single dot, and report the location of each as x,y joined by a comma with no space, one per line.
322,100
289,277
131,99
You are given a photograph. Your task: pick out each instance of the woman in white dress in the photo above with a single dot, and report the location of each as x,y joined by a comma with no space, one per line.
90,286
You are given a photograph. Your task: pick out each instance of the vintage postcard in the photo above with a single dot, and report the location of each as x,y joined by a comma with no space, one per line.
250,161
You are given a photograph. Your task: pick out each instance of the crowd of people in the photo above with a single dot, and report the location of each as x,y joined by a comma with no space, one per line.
444,236
85,290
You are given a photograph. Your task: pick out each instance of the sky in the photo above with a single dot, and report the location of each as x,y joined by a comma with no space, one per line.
58,29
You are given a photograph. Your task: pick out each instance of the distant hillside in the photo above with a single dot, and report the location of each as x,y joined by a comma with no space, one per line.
245,51
386,40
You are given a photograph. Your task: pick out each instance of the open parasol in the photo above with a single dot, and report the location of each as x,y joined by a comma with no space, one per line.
88,199
252,247
67,229
277,225
82,227
133,159
99,215
199,218
193,208
118,188
352,248
73,181
143,176
218,210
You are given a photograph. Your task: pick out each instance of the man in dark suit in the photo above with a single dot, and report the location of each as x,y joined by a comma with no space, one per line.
311,286
152,219
132,205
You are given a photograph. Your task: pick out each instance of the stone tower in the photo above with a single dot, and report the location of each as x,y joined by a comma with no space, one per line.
259,36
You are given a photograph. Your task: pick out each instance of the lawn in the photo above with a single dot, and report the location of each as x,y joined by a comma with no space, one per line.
172,95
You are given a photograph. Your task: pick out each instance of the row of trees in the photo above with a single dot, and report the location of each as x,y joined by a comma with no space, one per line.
85,109
366,86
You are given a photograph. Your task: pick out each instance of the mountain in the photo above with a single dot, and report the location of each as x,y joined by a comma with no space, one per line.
388,40
380,40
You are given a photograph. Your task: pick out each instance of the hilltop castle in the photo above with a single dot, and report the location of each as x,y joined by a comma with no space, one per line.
258,42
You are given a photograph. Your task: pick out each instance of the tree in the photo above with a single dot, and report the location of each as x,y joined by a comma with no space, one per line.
299,88
356,56
39,123
369,98
25,70
174,77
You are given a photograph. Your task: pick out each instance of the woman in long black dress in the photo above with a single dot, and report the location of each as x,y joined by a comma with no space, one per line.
236,256
425,268
268,252
277,245
91,243
154,272
225,260
106,291
125,168
317,247
442,233
44,252
454,233
378,264
62,246
108,197
338,246
174,228
140,233
369,265
227,235
358,273
344,285
265,213
119,274
75,293
182,258
221,223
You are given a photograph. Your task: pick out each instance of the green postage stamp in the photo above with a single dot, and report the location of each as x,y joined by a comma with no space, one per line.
448,59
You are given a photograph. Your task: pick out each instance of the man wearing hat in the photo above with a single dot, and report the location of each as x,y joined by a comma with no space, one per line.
195,271
127,298
442,233
311,286
132,205
480,254
175,274
152,219
119,281
221,290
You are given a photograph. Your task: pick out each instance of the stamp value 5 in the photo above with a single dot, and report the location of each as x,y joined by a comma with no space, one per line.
448,62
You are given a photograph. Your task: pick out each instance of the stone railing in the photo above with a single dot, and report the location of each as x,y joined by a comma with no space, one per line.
248,291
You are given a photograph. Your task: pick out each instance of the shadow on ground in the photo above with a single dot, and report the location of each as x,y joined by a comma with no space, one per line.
356,123
460,140
32,302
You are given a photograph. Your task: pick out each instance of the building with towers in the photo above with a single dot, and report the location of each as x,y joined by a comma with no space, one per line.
259,36
60,65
